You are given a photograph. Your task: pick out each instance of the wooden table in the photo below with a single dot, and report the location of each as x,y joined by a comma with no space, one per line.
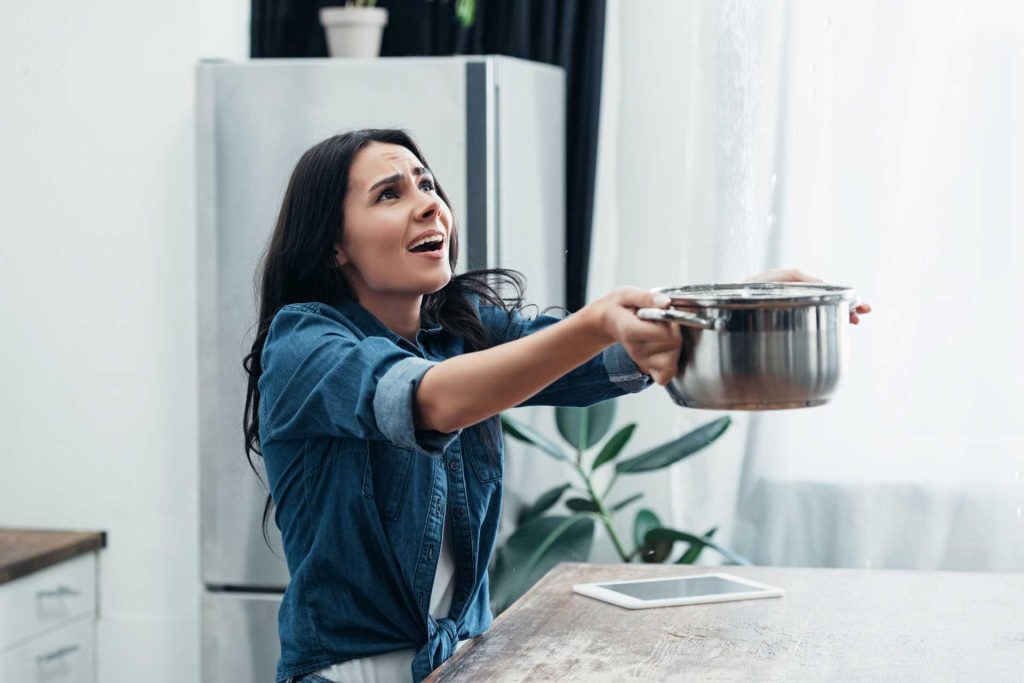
832,624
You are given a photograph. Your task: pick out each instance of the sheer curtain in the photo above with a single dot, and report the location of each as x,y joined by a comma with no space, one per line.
872,144
684,195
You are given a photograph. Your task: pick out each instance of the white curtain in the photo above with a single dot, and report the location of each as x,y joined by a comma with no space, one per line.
684,195
873,144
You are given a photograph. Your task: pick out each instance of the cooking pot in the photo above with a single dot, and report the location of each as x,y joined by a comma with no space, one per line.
758,346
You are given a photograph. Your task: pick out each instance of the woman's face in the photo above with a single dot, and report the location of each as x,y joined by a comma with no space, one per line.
389,205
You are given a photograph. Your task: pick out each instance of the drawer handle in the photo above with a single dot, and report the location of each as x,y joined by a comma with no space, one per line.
61,592
57,654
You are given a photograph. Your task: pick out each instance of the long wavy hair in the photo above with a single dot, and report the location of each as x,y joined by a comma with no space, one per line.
299,265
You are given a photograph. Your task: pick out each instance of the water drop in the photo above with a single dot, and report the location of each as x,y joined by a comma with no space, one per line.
775,181
1018,515
770,220
1016,477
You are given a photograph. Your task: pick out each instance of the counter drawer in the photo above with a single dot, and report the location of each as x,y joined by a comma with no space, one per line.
45,599
66,655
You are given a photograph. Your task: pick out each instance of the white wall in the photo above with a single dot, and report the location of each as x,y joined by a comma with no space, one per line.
97,267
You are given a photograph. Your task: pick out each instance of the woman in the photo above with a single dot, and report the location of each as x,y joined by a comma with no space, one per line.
375,384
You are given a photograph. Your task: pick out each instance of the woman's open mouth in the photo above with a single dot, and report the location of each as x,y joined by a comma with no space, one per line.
434,249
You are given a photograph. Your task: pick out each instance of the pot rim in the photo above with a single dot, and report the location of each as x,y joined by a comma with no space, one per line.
766,294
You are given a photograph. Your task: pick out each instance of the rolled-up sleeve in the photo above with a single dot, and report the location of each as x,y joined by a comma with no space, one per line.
321,378
623,371
393,408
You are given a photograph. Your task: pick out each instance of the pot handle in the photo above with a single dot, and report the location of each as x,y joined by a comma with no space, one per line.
681,317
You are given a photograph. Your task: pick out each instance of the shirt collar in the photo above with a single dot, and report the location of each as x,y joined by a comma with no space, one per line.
370,324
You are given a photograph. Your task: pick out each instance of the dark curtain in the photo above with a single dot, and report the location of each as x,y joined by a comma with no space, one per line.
569,33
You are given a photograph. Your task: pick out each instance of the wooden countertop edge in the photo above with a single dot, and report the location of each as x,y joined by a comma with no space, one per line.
512,609
62,545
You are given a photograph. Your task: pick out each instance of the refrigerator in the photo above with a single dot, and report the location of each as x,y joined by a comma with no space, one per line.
493,131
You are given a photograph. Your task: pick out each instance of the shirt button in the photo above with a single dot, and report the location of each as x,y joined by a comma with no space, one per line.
459,512
453,465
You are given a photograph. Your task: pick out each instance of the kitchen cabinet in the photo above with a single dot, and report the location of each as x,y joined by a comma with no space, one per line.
48,606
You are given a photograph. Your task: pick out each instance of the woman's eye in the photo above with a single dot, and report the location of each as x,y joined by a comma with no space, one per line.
391,193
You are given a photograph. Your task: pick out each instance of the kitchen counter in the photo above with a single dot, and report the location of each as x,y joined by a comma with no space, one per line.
832,624
23,551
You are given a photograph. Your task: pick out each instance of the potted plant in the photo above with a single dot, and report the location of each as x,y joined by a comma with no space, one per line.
541,541
355,29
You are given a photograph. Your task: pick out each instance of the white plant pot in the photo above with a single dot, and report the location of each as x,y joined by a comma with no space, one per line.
353,31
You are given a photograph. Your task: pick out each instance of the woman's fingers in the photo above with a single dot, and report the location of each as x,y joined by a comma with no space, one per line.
641,334
664,366
659,357
860,310
787,275
634,297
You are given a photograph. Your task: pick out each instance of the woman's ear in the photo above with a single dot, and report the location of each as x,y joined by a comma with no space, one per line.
339,256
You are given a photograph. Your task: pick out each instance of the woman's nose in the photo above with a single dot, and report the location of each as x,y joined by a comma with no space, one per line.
430,209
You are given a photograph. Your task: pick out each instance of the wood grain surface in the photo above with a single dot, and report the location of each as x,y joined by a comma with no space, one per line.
832,624
23,551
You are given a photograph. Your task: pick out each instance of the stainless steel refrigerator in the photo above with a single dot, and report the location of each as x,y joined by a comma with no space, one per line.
492,129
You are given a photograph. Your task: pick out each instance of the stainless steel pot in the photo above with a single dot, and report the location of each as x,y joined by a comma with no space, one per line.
758,346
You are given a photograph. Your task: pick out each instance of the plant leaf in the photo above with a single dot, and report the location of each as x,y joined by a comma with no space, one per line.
691,555
654,551
665,535
674,451
581,505
542,504
632,499
535,548
529,435
584,427
644,521
613,446
465,12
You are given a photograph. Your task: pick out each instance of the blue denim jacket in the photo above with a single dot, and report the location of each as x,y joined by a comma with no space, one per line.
362,495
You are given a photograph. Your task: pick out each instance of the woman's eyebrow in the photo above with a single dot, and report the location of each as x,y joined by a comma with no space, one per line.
418,171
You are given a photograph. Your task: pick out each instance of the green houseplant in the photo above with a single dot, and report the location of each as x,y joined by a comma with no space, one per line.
542,540
356,28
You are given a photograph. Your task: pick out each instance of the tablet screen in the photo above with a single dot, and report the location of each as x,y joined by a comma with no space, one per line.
680,588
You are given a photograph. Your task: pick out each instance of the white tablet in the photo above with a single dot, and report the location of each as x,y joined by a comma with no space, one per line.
677,590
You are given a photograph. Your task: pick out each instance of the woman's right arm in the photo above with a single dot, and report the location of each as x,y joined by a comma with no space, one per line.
472,387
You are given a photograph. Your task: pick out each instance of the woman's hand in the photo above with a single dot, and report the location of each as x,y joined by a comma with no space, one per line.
793,275
653,345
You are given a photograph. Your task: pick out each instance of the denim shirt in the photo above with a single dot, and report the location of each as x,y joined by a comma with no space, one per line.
361,495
